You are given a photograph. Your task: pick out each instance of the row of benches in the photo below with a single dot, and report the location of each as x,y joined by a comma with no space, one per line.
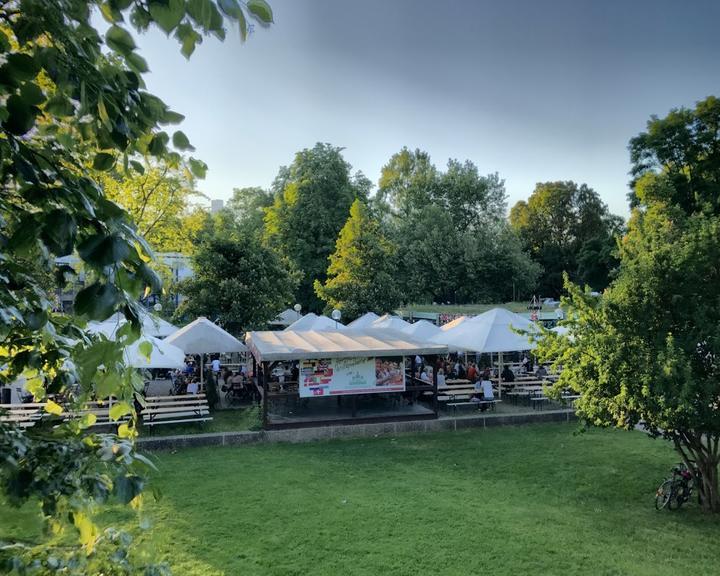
157,410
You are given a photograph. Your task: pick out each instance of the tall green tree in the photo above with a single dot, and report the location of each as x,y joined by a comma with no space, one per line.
362,275
407,182
562,221
238,282
648,351
312,201
69,95
248,207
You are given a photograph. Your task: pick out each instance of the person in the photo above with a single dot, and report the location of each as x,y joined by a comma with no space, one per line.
472,372
216,367
193,387
508,375
441,378
541,372
424,376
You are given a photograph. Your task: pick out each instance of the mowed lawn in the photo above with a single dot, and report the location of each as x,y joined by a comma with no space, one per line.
514,500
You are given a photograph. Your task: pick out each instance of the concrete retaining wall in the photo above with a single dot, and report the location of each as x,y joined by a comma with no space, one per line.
350,430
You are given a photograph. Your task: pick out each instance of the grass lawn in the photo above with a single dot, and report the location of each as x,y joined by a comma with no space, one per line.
511,500
471,309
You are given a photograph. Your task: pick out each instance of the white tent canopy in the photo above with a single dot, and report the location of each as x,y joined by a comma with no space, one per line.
314,322
305,345
390,322
364,321
489,332
203,337
422,330
285,318
151,325
454,323
163,354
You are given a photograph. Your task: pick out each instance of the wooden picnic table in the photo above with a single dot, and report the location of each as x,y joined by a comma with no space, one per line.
457,381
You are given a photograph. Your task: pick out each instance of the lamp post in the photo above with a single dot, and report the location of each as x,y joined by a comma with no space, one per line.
336,315
297,309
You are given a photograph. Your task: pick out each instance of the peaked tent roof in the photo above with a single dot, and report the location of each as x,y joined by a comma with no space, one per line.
204,337
364,321
454,323
314,344
389,322
163,354
314,322
285,318
422,330
489,332
151,325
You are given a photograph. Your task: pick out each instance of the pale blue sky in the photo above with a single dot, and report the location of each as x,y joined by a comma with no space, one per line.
535,90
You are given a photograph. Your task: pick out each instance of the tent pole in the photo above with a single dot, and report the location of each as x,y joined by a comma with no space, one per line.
500,369
202,370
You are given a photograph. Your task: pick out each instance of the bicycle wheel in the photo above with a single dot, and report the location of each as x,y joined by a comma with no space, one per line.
677,494
664,494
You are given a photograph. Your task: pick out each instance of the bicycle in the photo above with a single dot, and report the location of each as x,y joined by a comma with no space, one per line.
678,488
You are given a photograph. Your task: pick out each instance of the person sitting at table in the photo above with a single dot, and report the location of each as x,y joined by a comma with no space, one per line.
424,376
541,372
472,372
508,375
441,378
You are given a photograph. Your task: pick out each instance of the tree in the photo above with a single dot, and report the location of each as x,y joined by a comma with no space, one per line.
312,201
560,221
407,182
157,200
69,94
238,282
248,207
648,351
362,275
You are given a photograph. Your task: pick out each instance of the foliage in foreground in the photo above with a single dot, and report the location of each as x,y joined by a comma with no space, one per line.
72,97
648,351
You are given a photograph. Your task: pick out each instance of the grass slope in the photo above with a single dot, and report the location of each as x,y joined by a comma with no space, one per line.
525,500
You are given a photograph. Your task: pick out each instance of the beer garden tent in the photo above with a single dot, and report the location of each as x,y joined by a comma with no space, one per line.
389,322
454,323
422,330
314,322
285,318
204,337
364,321
162,354
491,333
297,345
151,325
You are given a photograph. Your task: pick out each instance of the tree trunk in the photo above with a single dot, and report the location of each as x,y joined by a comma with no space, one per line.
701,452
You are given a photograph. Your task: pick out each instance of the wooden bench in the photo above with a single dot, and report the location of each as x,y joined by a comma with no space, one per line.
175,409
101,411
23,415
465,401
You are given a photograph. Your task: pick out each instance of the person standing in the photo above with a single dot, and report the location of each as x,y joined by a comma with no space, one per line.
216,367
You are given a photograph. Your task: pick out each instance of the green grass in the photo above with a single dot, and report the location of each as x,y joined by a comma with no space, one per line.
465,308
232,420
512,500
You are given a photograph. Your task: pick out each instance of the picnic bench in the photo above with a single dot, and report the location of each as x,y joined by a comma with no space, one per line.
175,409
462,396
23,415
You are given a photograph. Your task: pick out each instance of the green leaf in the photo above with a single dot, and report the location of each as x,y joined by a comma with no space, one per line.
119,410
21,115
107,384
59,232
230,7
97,301
59,106
201,11
261,10
22,66
242,24
32,94
188,38
101,250
198,168
158,144
137,166
137,62
145,348
181,142
53,408
120,40
170,117
103,161
110,12
168,15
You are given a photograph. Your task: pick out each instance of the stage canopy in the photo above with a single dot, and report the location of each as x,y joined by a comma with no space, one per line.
203,337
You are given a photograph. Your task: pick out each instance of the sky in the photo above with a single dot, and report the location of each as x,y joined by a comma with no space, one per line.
533,90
